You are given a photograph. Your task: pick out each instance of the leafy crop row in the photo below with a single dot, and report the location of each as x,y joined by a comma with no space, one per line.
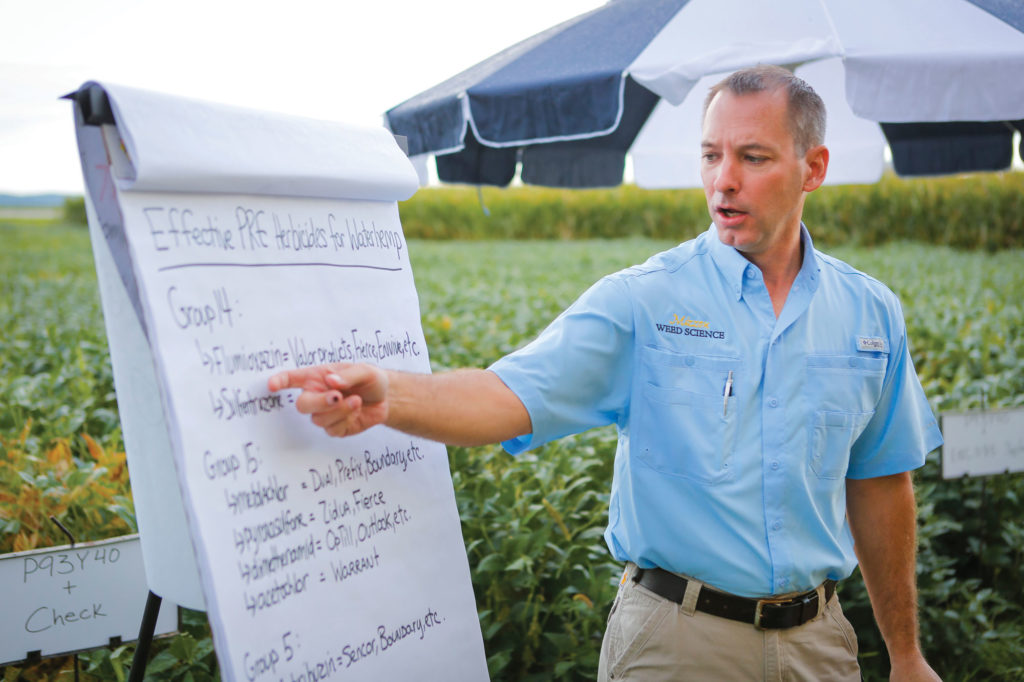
532,524
976,212
981,211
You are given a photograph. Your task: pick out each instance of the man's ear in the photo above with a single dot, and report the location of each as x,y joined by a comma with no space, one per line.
816,161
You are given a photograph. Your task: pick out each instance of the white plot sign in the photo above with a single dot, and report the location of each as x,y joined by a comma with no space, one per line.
239,244
64,599
982,442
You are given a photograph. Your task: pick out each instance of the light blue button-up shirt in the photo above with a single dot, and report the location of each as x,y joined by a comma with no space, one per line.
744,491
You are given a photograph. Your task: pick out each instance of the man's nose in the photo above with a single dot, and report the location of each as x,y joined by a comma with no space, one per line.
727,177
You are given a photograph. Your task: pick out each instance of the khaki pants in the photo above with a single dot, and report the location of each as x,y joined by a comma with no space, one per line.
650,638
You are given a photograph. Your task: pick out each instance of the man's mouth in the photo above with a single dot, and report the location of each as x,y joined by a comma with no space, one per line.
729,212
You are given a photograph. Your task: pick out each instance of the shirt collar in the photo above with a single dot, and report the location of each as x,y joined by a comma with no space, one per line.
808,275
733,265
729,262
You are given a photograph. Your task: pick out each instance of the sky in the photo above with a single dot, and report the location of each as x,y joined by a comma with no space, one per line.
341,60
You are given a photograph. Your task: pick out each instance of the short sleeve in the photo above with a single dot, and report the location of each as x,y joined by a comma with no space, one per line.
903,429
576,375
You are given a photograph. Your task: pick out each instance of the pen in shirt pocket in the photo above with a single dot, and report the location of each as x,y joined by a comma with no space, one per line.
726,392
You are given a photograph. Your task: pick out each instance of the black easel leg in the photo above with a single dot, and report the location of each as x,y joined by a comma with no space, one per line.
146,630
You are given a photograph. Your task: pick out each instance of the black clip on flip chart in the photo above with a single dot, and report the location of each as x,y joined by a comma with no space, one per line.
94,104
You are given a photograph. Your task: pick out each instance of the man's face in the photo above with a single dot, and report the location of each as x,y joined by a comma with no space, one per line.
754,181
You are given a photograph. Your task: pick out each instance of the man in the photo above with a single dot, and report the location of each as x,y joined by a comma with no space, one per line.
768,413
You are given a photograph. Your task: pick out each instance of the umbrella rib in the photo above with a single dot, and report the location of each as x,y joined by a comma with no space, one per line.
832,27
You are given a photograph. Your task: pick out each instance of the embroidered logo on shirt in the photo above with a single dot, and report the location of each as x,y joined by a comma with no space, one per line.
872,343
689,327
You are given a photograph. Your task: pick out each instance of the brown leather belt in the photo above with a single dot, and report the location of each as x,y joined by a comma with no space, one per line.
767,614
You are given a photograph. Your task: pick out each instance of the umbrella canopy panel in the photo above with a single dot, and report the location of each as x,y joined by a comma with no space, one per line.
666,153
565,83
569,103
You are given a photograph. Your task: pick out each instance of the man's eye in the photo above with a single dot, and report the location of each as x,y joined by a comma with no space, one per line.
756,159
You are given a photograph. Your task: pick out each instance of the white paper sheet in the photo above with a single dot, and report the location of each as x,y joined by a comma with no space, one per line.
183,145
318,557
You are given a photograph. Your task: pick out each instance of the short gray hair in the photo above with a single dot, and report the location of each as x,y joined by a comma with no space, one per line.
805,110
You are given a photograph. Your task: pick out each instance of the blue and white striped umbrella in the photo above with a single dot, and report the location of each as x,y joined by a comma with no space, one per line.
941,80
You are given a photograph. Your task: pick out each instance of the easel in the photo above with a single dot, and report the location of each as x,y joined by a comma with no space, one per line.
146,630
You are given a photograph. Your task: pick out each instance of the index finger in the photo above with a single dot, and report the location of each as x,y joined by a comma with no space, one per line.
310,378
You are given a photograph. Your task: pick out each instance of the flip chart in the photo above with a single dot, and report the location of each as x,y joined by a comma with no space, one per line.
234,244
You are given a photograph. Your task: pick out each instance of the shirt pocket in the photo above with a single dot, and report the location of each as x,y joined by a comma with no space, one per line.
680,427
843,390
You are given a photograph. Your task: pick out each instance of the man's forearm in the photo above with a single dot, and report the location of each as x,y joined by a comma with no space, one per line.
883,520
463,407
